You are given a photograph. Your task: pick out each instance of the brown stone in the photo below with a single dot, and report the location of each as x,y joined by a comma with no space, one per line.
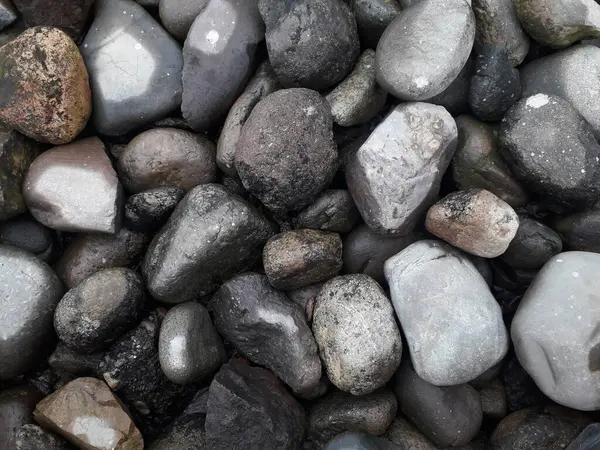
44,86
88,414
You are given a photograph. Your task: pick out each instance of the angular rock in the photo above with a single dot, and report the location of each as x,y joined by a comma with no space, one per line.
305,298
189,347
533,245
436,300
212,235
334,210
68,363
167,157
373,17
267,328
287,167
31,236
8,15
493,400
135,67
177,16
221,45
396,173
299,258
16,409
359,441
46,93
403,433
401,68
311,43
150,210
32,437
249,408
56,189
70,16
580,231
587,440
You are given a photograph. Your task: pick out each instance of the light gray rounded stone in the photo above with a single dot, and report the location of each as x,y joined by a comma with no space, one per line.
178,15
442,30
555,330
438,294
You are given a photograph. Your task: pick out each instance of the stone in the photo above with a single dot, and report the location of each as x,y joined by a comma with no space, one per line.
552,150
285,167
167,157
334,210
31,236
100,309
148,3
358,99
373,17
403,433
249,408
495,86
57,194
8,14
189,347
150,210
305,298
360,356
338,412
212,235
588,439
16,409
263,83
87,254
178,16
557,24
533,245
46,93
442,295
497,23
268,329
329,46
521,390
135,67
68,363
359,441
401,68
493,400
475,221
455,98
580,231
449,416
71,17
88,414
478,164
29,292
396,174
299,258
33,437
563,362
222,45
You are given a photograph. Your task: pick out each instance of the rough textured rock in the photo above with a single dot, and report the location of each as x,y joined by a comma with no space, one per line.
32,437
135,67
212,235
267,328
31,236
249,408
8,14
16,409
401,68
588,439
359,441
287,167
373,17
177,16
46,93
403,433
533,245
221,45
442,295
299,258
149,210
71,16
580,231
334,210
396,173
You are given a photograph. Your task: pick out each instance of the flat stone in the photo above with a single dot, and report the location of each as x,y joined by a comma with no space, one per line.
189,347
71,364
56,189
373,17
31,236
580,231
32,437
150,210
167,157
396,174
442,295
8,14
493,400
87,413
222,45
588,439
359,441
334,210
533,245
70,16
177,16
401,68
403,433
46,94
267,328
135,67
212,235
299,258
16,409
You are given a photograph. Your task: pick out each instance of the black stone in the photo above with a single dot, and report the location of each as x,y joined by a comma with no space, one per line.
533,245
149,210
521,390
71,364
580,231
373,17
334,210
32,236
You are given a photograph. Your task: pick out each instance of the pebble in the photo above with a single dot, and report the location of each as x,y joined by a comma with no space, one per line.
305,298
588,439
360,355
16,409
29,292
150,210
135,67
442,295
404,434
68,363
299,258
46,93
211,236
455,98
533,245
70,16
360,441
373,17
8,14
222,45
285,167
334,210
329,46
580,231
167,157
88,414
396,174
189,347
33,437
99,310
267,328
401,68
177,16
31,236
56,189
552,150
521,390
475,221
358,99
249,408
493,400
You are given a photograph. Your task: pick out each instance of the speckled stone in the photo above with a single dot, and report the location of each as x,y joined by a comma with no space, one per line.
33,437
334,210
177,16
403,433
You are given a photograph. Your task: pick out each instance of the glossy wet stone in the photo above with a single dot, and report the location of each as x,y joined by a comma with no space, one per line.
334,210
16,409
177,16
533,245
70,16
372,18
